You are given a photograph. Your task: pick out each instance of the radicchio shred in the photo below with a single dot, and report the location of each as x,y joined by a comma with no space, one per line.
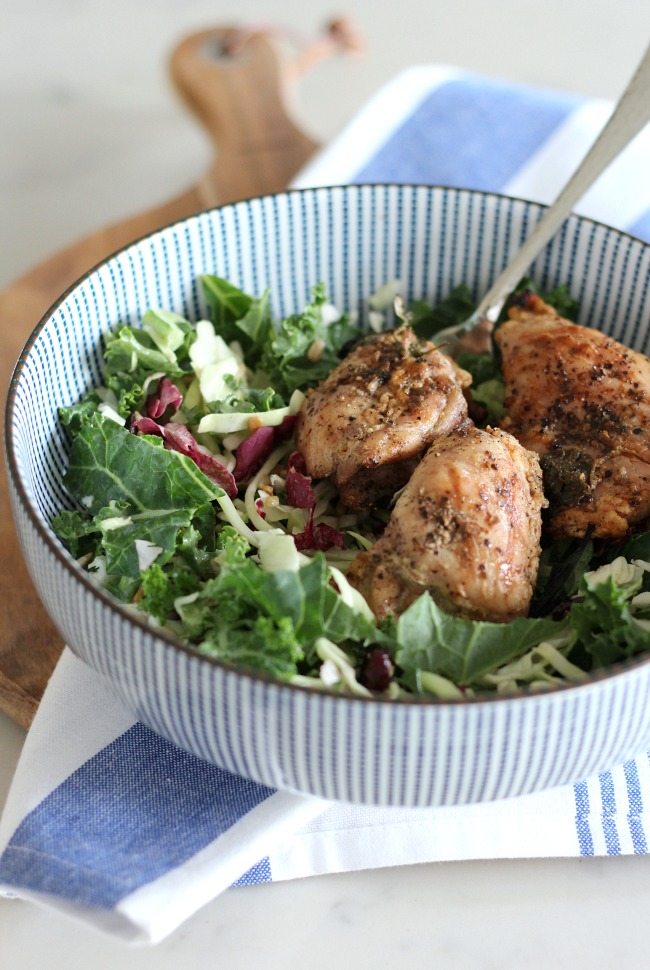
301,495
177,437
254,450
166,396
320,537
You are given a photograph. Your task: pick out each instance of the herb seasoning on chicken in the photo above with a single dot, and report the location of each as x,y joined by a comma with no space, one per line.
368,423
579,400
466,529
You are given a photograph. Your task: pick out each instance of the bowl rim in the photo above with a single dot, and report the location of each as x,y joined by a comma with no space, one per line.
71,566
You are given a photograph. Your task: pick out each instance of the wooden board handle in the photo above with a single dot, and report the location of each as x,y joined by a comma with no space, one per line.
239,100
240,83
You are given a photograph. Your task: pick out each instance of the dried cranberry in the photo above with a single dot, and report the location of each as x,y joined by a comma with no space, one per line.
377,671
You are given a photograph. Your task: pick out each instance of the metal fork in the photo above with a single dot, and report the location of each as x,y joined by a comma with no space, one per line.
630,115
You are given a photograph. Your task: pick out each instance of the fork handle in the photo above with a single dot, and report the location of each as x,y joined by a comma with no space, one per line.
630,115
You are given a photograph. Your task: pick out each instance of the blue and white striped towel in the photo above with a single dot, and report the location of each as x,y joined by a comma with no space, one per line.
110,823
442,126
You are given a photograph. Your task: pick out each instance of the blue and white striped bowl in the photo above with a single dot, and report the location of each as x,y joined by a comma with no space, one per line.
354,239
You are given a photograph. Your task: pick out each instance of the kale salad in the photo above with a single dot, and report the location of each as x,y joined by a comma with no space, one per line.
193,509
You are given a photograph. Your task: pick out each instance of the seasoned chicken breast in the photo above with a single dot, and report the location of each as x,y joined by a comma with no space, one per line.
368,423
466,528
581,401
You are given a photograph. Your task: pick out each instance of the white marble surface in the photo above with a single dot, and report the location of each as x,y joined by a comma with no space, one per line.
91,132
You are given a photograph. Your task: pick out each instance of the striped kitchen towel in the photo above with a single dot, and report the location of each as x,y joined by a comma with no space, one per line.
110,823
437,125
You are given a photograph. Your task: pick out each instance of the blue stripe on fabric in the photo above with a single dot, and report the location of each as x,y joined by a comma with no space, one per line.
136,810
261,872
641,227
585,839
608,816
635,811
469,134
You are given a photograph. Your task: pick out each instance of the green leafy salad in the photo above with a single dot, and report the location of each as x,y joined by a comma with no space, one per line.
193,508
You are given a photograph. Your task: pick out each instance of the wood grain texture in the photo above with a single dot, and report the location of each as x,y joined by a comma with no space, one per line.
240,85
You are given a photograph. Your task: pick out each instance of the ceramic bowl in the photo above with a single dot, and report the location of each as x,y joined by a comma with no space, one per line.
355,238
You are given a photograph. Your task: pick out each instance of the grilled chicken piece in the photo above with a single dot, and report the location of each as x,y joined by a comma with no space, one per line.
369,422
466,528
581,401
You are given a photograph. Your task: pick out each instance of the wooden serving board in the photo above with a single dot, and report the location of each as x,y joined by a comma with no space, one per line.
239,83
